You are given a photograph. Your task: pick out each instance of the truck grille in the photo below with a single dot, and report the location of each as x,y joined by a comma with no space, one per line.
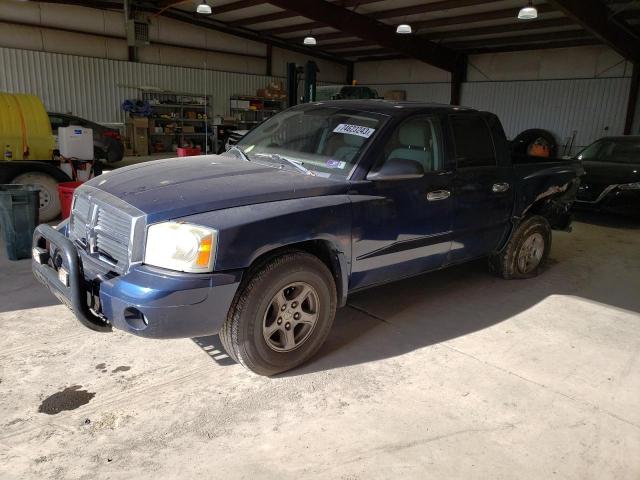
113,230
103,231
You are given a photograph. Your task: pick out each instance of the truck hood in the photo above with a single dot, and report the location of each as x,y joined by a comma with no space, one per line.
178,187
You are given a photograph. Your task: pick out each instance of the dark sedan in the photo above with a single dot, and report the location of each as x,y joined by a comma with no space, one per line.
107,144
612,180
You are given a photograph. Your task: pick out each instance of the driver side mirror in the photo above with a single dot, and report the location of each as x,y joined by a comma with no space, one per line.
397,169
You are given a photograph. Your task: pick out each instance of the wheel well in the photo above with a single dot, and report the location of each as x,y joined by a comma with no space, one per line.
321,249
554,208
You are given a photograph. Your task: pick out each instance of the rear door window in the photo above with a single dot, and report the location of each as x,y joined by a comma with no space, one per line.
473,141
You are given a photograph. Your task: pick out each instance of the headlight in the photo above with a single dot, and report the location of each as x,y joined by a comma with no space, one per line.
181,246
630,186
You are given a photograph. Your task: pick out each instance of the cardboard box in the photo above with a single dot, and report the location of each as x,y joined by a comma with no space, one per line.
191,115
141,122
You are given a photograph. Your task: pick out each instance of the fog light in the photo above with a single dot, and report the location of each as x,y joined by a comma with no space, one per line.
63,276
135,318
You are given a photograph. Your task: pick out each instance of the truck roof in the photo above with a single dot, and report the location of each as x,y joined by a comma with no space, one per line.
392,107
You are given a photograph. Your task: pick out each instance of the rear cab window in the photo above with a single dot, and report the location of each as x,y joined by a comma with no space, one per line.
473,141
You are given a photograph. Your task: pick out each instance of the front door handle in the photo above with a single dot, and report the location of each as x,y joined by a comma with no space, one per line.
438,195
500,187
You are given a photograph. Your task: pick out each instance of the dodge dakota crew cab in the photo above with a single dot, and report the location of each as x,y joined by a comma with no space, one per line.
263,243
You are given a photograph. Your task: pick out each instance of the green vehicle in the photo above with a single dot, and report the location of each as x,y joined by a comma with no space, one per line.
345,92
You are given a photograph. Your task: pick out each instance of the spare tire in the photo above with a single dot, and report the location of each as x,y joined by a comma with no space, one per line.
535,142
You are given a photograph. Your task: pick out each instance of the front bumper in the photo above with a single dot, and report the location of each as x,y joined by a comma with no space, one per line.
148,302
614,199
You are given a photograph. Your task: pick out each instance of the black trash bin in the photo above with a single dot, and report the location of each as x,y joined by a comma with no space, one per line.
19,205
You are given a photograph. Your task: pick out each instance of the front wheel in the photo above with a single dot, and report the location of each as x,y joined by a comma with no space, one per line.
282,315
527,250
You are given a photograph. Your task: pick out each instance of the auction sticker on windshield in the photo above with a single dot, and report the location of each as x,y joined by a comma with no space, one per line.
365,132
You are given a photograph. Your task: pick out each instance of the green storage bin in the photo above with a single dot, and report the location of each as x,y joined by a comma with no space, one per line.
19,205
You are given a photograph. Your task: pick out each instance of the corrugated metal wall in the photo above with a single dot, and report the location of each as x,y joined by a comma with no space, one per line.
590,107
426,92
94,88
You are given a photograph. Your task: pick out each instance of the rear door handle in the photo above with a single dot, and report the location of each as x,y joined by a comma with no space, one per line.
437,195
500,187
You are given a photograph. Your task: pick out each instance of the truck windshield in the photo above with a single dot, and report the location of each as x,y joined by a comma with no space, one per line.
326,141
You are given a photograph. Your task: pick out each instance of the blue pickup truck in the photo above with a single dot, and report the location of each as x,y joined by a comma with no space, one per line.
263,243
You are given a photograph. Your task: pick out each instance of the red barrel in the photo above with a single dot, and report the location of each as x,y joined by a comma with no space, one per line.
65,191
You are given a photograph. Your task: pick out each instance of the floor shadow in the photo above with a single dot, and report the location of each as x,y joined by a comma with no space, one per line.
607,219
211,346
401,317
19,289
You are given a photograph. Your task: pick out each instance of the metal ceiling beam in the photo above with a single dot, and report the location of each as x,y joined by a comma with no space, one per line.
425,8
504,14
390,13
518,40
594,16
472,32
233,6
104,5
208,22
287,14
533,46
500,29
371,29
366,53
397,12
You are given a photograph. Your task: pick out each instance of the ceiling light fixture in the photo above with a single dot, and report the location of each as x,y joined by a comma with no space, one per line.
310,40
404,29
204,8
528,13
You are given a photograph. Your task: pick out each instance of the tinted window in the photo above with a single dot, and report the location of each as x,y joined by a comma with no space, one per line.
417,139
622,152
473,141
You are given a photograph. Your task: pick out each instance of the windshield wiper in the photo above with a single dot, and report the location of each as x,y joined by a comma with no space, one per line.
294,163
243,155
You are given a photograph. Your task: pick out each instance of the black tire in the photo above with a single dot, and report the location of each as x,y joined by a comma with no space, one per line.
511,262
242,333
522,144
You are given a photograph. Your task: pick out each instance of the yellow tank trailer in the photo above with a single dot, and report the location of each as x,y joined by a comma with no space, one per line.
26,149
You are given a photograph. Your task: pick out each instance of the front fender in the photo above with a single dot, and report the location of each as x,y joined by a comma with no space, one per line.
248,232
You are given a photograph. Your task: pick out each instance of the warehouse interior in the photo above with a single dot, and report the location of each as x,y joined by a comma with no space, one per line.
455,373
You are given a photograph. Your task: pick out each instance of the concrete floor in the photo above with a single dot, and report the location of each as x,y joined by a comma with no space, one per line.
455,374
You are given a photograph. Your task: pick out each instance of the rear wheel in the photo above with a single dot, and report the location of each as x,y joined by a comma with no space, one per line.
49,208
282,315
527,250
